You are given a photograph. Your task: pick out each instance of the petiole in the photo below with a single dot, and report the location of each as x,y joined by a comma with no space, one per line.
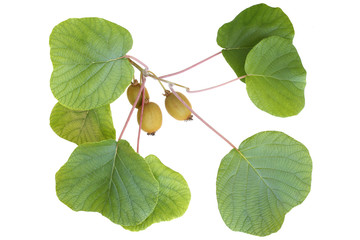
192,66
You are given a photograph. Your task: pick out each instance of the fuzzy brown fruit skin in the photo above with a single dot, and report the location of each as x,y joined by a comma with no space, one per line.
152,118
132,93
176,109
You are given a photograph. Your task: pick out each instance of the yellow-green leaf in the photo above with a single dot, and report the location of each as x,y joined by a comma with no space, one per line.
82,126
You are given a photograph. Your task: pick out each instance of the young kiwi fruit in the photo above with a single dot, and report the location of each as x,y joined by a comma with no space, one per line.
175,108
152,118
133,91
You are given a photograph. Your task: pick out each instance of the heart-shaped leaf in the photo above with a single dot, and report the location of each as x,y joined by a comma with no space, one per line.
108,177
262,181
89,70
82,126
276,78
248,28
174,195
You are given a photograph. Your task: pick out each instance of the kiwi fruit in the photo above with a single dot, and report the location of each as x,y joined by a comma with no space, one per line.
152,118
133,91
175,108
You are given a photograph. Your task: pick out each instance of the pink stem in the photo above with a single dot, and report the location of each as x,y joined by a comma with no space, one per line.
137,60
192,66
141,113
205,89
201,119
131,111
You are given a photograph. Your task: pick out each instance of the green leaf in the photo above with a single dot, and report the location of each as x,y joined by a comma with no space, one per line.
248,28
88,69
82,126
257,187
109,178
174,195
276,77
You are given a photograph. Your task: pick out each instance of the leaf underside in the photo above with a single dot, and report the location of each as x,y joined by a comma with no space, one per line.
257,188
88,71
247,29
109,178
276,78
82,126
174,195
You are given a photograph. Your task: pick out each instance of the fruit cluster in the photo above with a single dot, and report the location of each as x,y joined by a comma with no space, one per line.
151,113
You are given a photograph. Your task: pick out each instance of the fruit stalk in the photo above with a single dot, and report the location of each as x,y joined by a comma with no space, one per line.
166,81
130,58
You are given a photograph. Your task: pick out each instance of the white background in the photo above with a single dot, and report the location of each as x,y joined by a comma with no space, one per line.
169,36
